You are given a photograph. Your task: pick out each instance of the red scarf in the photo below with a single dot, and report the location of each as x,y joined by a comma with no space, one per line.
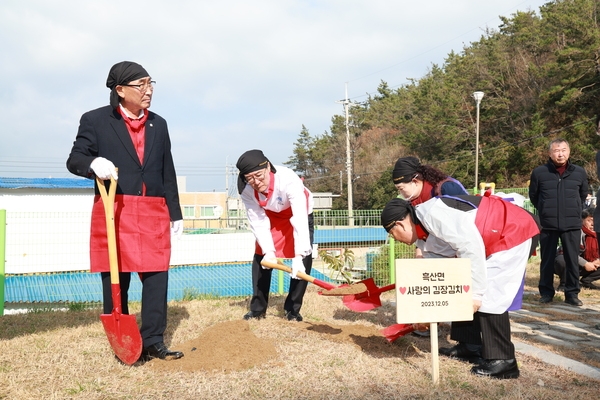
263,203
426,194
591,245
137,131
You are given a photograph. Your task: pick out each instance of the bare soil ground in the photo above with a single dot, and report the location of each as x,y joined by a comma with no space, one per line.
333,354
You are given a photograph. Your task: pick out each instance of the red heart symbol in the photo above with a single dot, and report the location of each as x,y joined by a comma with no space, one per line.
402,290
466,287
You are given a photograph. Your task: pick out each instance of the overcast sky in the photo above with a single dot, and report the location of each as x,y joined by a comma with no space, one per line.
231,75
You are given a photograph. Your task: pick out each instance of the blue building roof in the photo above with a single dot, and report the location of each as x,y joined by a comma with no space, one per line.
46,183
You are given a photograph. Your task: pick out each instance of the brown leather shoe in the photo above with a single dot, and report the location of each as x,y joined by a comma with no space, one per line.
159,350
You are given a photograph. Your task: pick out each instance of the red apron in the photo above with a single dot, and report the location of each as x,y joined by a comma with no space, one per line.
500,228
143,234
282,230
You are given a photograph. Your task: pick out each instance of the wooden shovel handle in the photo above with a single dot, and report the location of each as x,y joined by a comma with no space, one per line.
108,200
301,275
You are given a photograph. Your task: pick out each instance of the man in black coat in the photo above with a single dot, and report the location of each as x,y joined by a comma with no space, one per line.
558,190
126,136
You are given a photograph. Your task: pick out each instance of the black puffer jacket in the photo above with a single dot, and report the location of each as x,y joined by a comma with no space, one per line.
559,199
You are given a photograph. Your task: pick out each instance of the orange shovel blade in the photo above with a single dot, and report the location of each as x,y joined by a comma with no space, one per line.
123,335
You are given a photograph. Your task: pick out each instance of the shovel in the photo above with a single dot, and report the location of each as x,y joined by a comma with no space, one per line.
362,304
396,331
301,275
366,300
121,329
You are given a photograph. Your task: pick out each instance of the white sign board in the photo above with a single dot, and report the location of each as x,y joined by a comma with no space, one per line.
433,290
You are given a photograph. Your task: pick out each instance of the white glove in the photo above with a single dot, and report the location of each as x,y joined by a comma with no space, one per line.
297,266
270,257
177,228
103,168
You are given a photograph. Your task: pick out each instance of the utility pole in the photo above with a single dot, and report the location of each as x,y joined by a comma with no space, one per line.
227,178
347,105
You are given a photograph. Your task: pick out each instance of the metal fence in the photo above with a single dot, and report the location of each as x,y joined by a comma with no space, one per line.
47,256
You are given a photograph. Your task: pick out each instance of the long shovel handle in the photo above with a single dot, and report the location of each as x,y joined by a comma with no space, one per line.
387,288
108,200
301,275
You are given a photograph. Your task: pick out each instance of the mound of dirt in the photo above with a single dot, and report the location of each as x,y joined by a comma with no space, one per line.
346,290
224,347
231,346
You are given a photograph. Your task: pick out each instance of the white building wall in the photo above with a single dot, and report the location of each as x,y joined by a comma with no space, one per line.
51,234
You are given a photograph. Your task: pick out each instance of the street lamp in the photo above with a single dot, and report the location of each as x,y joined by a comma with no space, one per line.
477,96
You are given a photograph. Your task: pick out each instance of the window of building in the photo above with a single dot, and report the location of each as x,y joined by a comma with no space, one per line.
211,212
189,212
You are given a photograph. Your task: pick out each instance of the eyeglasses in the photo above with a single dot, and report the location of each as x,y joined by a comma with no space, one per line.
142,87
259,176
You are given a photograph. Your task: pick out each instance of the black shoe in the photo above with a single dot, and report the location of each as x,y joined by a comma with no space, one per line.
574,301
159,350
254,314
499,369
546,299
460,352
561,288
293,316
590,286
423,334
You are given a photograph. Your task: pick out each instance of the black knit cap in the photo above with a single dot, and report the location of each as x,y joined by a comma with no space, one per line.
405,169
121,74
250,161
396,210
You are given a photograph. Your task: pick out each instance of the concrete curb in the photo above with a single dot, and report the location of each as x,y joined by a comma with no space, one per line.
554,359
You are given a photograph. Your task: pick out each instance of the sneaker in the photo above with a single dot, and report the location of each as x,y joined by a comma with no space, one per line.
254,315
293,316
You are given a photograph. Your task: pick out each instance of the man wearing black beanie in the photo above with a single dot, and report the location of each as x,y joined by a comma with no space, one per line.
279,210
125,135
498,237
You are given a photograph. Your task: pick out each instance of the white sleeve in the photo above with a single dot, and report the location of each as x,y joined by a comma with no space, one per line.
259,222
457,230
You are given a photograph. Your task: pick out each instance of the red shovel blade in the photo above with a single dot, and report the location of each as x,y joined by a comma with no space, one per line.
396,331
365,301
123,335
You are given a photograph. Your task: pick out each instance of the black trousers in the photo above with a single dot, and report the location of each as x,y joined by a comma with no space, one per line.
154,302
585,276
261,282
492,331
570,244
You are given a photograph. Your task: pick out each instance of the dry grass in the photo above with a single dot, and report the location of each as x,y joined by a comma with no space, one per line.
65,355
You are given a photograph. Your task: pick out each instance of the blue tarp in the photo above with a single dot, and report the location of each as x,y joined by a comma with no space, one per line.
350,235
217,280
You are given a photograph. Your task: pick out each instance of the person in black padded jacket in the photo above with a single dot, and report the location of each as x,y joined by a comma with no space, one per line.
558,190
